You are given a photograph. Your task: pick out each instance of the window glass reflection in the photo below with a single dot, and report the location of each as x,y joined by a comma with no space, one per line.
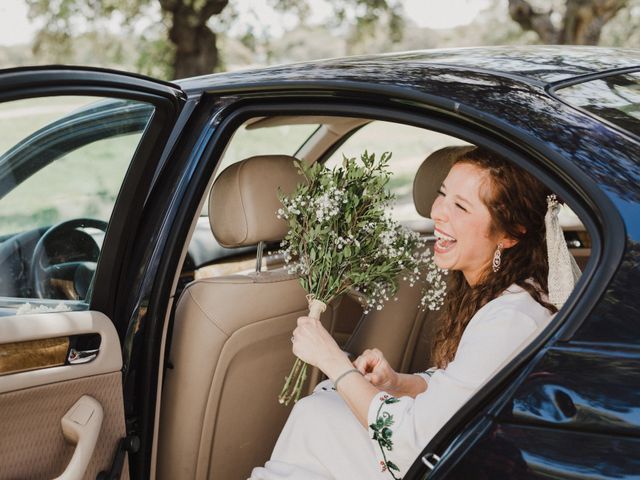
615,99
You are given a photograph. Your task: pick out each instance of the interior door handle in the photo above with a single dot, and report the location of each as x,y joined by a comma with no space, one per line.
81,426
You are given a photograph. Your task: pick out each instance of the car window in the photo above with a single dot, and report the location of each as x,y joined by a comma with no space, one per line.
276,140
409,147
615,98
62,162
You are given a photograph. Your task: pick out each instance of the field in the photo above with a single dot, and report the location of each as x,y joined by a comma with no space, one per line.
85,182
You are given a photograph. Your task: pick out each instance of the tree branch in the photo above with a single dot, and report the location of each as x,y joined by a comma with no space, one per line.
170,5
523,14
211,8
584,19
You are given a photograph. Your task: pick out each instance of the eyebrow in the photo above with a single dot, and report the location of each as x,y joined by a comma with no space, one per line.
457,196
462,199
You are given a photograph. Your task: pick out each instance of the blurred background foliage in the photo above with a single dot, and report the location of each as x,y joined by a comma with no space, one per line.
180,38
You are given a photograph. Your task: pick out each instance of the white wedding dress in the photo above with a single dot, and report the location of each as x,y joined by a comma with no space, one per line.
323,440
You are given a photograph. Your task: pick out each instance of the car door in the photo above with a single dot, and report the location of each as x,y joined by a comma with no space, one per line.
79,150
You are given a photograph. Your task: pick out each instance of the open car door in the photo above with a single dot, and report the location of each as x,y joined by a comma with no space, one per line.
79,149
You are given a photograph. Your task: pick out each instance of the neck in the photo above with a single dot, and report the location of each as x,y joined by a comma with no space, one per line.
472,278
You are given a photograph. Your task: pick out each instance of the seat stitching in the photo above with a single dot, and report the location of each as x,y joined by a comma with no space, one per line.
240,192
213,322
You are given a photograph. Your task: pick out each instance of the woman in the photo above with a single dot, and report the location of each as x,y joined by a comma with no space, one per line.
369,421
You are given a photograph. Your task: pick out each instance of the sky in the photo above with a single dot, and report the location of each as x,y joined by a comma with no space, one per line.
15,27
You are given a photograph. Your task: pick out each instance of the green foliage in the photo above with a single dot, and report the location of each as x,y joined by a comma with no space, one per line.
67,24
365,15
341,235
80,32
360,20
72,28
155,57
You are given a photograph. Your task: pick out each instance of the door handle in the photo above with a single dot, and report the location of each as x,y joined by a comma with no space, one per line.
82,356
81,426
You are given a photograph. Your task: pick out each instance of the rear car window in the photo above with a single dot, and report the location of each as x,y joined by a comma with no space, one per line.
615,99
409,147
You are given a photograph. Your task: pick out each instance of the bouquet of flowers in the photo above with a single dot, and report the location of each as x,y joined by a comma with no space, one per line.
342,238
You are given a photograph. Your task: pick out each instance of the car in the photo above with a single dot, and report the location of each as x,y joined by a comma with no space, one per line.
138,340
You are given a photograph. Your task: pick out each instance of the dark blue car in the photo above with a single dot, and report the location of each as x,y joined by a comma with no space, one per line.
145,317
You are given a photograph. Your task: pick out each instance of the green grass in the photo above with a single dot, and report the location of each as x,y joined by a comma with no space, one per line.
86,182
83,183
21,118
283,140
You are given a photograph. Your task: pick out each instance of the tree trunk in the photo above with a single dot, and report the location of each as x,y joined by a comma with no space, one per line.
196,52
528,19
583,20
582,23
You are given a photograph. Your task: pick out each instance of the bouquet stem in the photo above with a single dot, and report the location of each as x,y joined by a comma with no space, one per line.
294,382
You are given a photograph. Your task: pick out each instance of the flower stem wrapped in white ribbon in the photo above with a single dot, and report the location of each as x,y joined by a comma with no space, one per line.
342,238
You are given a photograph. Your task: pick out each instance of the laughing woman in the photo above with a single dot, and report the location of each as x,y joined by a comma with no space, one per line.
369,421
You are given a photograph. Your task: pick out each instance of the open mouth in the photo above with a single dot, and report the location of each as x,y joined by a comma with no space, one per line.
444,242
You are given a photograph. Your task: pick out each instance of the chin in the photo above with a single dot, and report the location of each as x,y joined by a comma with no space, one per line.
442,263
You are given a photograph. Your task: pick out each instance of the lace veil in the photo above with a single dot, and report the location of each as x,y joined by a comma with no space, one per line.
563,269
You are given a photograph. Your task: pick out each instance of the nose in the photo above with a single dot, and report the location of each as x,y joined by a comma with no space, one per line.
438,212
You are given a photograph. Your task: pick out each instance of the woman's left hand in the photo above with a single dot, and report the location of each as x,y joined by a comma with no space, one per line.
314,345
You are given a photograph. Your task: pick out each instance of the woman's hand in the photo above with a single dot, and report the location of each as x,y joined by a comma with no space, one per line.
314,345
377,370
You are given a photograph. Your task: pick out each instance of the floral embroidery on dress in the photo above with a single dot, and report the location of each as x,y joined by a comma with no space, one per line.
382,434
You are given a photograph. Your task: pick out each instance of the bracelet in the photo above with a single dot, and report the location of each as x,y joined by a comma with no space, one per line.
335,383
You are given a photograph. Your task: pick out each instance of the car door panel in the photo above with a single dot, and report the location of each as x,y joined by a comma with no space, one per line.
530,452
33,402
54,402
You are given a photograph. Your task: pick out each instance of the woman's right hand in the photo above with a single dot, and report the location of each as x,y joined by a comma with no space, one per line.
377,370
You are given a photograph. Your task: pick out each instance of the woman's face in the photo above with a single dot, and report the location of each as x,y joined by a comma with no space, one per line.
462,223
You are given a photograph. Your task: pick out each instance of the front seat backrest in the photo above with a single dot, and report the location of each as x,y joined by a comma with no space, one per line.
231,345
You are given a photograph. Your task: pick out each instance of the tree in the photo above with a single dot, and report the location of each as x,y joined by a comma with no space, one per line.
195,44
362,17
581,20
192,45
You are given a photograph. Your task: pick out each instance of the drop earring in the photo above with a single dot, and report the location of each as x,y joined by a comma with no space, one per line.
497,258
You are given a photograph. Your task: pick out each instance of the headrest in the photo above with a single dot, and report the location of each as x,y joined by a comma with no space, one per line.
431,174
244,200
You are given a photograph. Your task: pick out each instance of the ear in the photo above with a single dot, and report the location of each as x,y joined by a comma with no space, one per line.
508,242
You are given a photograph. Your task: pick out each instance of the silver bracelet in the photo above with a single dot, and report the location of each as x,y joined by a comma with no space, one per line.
335,383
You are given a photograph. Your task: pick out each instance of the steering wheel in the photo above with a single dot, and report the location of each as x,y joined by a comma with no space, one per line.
74,274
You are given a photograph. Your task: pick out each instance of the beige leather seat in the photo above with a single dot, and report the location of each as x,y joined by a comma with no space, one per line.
402,329
231,344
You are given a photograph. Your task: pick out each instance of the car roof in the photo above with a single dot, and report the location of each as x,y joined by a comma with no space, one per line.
539,64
